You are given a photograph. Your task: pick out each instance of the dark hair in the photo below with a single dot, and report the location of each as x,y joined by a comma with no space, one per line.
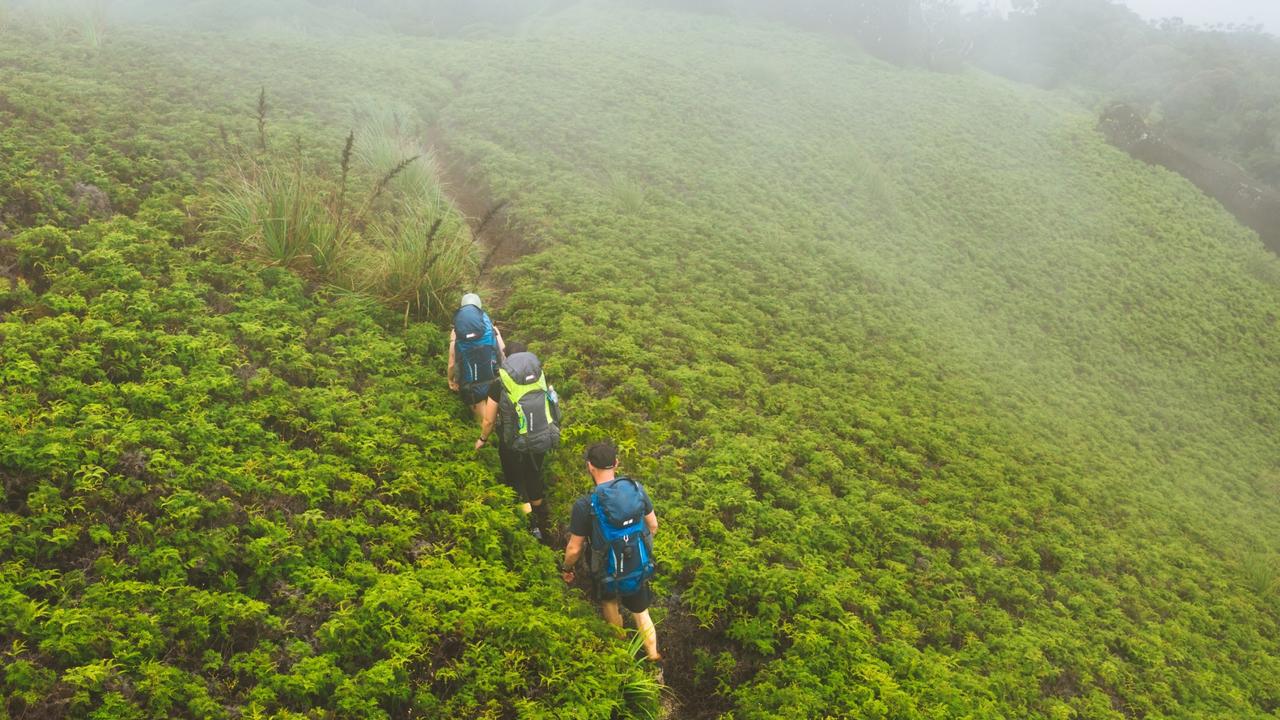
602,455
515,346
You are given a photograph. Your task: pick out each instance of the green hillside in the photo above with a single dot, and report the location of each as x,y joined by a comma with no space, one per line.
949,409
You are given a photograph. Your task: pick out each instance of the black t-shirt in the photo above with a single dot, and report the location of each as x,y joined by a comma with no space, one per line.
582,519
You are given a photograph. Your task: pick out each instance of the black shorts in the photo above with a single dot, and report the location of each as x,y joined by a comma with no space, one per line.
638,601
522,472
474,394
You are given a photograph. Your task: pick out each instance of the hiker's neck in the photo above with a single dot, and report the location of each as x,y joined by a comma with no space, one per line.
603,476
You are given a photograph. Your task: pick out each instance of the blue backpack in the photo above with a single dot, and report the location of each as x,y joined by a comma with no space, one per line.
621,553
475,349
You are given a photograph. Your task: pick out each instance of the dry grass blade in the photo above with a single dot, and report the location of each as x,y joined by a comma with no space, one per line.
386,179
493,211
262,119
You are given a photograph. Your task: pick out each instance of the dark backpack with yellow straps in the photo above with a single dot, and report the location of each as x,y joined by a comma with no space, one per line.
528,408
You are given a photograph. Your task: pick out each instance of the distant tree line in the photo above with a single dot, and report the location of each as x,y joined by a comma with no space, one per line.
1217,89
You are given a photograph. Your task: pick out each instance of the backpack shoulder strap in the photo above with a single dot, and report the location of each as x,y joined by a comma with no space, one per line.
507,383
597,512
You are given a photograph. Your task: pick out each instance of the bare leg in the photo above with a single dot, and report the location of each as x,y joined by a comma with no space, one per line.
609,608
648,635
477,411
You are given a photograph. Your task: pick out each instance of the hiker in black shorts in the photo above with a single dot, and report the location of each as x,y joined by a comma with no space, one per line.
475,352
624,504
524,412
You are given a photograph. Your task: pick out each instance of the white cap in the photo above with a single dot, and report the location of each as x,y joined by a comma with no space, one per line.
471,299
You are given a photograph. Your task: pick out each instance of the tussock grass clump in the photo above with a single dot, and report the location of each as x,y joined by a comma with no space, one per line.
387,135
403,242
1262,574
68,21
421,263
629,194
92,20
285,219
642,691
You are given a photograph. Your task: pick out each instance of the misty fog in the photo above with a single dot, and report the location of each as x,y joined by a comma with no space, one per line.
1197,12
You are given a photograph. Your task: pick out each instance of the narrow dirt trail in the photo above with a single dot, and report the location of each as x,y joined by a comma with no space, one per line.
503,242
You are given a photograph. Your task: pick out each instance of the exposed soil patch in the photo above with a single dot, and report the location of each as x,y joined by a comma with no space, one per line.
501,240
690,696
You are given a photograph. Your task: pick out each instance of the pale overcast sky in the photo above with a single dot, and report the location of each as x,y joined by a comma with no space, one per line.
1199,12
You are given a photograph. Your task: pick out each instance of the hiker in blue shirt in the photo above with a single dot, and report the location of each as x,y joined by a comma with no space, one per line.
615,524
476,351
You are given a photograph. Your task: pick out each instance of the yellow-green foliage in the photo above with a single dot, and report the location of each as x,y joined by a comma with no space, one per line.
951,409
948,408
221,497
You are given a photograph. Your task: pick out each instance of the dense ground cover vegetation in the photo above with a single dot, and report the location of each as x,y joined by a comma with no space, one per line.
949,409
221,497
225,493
942,429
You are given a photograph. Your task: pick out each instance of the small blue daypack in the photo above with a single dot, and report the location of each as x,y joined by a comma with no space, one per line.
621,554
475,349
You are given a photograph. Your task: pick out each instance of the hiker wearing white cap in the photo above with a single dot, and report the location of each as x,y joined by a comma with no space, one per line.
475,352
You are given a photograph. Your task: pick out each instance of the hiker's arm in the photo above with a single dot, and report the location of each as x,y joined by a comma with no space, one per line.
453,381
487,422
502,345
571,553
651,520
